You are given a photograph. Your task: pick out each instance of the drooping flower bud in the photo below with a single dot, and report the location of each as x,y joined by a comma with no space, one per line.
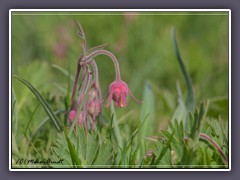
118,91
80,118
94,108
72,115
92,94
94,104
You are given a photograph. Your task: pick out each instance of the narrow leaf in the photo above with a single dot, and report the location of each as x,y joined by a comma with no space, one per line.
148,108
73,153
63,71
116,128
43,102
190,99
43,122
92,148
14,111
164,150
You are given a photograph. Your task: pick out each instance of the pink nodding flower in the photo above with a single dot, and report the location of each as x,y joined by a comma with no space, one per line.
94,108
118,91
72,114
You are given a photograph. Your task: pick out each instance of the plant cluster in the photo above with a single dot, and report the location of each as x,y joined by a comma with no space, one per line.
87,95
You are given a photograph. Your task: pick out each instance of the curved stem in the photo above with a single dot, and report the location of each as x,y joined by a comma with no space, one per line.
90,57
84,90
89,76
76,78
75,84
212,142
95,70
85,69
133,97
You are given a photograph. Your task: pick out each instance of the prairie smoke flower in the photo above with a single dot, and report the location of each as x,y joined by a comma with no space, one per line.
94,104
118,91
93,93
72,115
91,108
94,108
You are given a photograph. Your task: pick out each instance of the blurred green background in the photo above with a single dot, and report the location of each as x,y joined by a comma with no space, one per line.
142,42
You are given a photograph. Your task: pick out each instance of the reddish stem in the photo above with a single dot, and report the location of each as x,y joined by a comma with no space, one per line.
133,97
212,142
75,85
88,80
90,57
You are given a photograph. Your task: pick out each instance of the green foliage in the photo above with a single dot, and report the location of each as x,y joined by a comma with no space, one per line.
148,109
192,153
147,116
164,152
190,97
116,130
43,102
86,147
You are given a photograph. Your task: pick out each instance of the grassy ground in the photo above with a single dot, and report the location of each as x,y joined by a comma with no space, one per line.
144,47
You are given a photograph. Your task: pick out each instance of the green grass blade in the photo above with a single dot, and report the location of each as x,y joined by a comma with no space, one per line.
147,117
148,108
73,153
164,150
116,128
43,102
180,113
30,120
82,144
190,98
60,88
43,122
14,112
63,71
15,147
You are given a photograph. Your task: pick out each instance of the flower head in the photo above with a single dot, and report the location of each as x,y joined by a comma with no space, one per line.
72,114
94,104
94,107
118,91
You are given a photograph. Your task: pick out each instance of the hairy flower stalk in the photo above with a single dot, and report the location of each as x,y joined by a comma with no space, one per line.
118,90
90,57
75,84
214,144
89,88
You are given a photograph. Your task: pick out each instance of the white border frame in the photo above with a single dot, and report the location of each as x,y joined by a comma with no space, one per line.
116,10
